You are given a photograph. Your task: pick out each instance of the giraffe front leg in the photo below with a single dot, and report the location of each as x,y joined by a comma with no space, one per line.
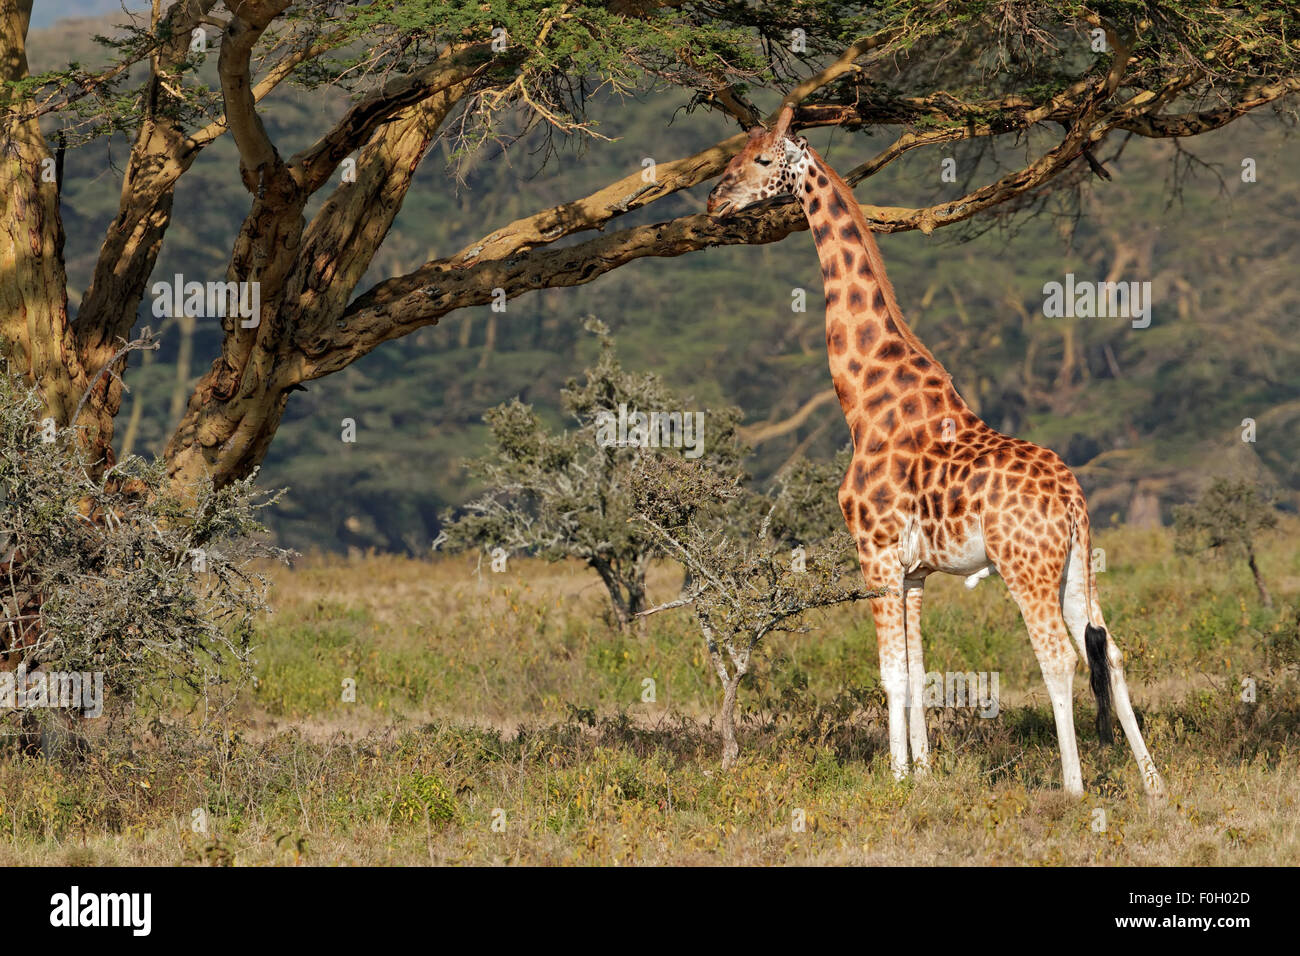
883,573
887,611
912,592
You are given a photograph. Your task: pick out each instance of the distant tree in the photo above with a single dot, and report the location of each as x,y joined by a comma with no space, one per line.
1227,518
568,494
743,582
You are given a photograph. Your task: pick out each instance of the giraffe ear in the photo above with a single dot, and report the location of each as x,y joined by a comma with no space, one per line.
794,148
783,121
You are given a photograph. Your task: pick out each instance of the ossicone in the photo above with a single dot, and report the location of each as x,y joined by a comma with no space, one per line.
783,121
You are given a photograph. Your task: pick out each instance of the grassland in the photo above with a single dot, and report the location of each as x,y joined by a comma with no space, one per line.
500,719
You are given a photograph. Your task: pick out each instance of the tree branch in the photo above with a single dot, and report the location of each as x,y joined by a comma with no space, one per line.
756,434
397,306
145,341
1170,125
234,65
317,163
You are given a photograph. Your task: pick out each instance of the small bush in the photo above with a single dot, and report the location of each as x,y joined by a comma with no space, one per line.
109,572
568,494
743,581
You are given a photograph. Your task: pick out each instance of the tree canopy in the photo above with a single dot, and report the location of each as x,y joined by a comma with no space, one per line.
1029,91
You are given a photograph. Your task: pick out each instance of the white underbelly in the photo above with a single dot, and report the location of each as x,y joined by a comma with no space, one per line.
963,556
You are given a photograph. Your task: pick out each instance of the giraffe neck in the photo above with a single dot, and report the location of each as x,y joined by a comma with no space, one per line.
885,377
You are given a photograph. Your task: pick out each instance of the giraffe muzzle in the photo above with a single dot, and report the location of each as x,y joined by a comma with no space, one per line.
719,208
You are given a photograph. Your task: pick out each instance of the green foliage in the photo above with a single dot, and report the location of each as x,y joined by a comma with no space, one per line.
423,800
1228,517
549,59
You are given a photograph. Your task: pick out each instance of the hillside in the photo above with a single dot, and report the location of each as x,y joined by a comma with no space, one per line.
46,13
1145,415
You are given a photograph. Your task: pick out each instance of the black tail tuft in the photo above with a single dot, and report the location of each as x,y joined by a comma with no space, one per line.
1094,639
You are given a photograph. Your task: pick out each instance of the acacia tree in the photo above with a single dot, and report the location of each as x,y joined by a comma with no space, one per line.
1056,80
568,494
743,581
1227,519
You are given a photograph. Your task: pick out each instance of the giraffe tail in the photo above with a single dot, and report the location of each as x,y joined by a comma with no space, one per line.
1095,637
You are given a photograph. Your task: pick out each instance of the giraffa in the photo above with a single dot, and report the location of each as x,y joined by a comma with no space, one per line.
931,487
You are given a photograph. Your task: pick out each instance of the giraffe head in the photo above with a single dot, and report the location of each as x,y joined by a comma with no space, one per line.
769,166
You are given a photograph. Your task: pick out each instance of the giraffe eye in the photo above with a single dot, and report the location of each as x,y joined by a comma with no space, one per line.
763,161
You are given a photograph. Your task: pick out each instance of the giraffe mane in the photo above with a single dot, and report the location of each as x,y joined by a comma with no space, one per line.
874,258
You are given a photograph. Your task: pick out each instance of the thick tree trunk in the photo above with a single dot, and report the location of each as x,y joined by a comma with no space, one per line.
34,331
306,275
627,596
636,601
224,435
64,361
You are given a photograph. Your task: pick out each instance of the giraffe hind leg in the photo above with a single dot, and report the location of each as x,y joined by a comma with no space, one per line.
1075,605
1036,591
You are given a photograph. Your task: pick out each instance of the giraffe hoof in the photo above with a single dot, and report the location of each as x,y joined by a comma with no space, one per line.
1155,787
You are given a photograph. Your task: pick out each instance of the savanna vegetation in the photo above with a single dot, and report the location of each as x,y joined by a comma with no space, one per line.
508,692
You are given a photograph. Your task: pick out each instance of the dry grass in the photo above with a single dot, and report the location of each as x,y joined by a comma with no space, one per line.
510,698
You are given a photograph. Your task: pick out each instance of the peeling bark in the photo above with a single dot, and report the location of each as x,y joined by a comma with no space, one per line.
35,335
